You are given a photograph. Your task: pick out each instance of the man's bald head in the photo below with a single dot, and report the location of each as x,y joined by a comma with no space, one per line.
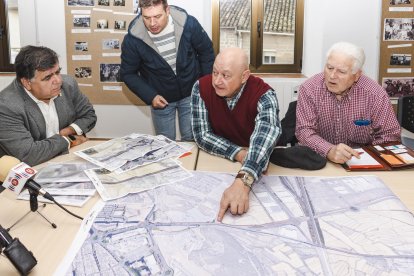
234,56
230,72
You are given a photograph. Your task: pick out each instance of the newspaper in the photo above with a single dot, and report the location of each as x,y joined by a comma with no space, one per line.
131,151
112,185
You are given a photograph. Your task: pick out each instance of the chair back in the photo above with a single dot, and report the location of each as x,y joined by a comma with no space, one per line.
406,112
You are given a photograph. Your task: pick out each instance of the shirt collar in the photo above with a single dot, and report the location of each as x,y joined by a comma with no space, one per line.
36,100
347,94
238,94
231,102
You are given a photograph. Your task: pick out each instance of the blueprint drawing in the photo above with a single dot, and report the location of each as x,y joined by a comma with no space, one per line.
295,226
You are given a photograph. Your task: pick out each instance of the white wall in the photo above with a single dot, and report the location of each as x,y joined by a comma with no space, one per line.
330,21
28,29
5,81
326,22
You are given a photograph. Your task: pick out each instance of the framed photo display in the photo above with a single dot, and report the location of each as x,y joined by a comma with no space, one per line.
396,48
95,30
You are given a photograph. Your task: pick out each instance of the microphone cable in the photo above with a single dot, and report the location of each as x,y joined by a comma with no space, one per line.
50,197
73,214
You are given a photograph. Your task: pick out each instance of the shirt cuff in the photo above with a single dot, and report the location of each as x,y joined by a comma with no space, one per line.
232,152
252,168
325,148
77,129
67,139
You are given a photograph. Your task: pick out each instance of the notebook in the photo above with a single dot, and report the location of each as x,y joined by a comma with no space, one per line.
387,156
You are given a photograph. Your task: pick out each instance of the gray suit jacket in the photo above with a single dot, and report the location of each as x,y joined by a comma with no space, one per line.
23,128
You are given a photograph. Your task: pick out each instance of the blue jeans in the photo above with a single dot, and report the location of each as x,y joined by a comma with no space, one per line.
164,119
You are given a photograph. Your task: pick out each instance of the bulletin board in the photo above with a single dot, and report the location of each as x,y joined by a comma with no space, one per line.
94,33
396,48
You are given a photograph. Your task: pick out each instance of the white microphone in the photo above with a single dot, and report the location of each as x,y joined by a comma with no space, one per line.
17,175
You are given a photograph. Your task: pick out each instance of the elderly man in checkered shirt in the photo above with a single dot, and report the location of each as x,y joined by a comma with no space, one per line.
235,116
341,108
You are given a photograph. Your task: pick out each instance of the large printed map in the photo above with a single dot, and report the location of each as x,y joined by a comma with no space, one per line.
295,225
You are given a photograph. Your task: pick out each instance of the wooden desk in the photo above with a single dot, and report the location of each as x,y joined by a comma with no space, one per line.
400,182
49,245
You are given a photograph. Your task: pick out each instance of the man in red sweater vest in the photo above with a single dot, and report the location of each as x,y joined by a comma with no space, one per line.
235,116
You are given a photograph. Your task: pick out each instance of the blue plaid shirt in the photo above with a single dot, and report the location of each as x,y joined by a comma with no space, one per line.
264,137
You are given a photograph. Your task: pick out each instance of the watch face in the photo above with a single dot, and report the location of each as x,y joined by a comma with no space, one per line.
246,178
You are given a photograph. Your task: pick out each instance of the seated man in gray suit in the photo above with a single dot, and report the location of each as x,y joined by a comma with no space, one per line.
42,113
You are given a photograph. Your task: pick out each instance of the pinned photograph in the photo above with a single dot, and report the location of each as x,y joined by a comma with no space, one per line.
110,72
400,59
400,2
397,87
81,3
83,72
81,46
102,24
120,25
399,29
119,3
110,44
103,2
81,21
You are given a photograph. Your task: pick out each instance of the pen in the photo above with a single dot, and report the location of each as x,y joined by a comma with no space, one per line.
362,122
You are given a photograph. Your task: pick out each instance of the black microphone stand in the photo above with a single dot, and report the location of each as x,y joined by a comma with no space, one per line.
34,206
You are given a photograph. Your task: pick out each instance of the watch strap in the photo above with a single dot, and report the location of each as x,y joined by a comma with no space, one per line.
246,178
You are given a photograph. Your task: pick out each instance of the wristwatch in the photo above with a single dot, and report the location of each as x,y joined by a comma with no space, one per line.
72,139
246,177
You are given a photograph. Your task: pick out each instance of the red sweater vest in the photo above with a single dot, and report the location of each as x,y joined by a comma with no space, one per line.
236,125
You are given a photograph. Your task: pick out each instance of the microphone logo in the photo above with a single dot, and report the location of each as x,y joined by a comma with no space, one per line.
18,176
14,182
29,171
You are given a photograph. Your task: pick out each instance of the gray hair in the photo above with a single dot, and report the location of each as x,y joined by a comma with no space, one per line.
351,50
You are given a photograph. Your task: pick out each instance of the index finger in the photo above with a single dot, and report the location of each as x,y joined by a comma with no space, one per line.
222,211
348,152
355,153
